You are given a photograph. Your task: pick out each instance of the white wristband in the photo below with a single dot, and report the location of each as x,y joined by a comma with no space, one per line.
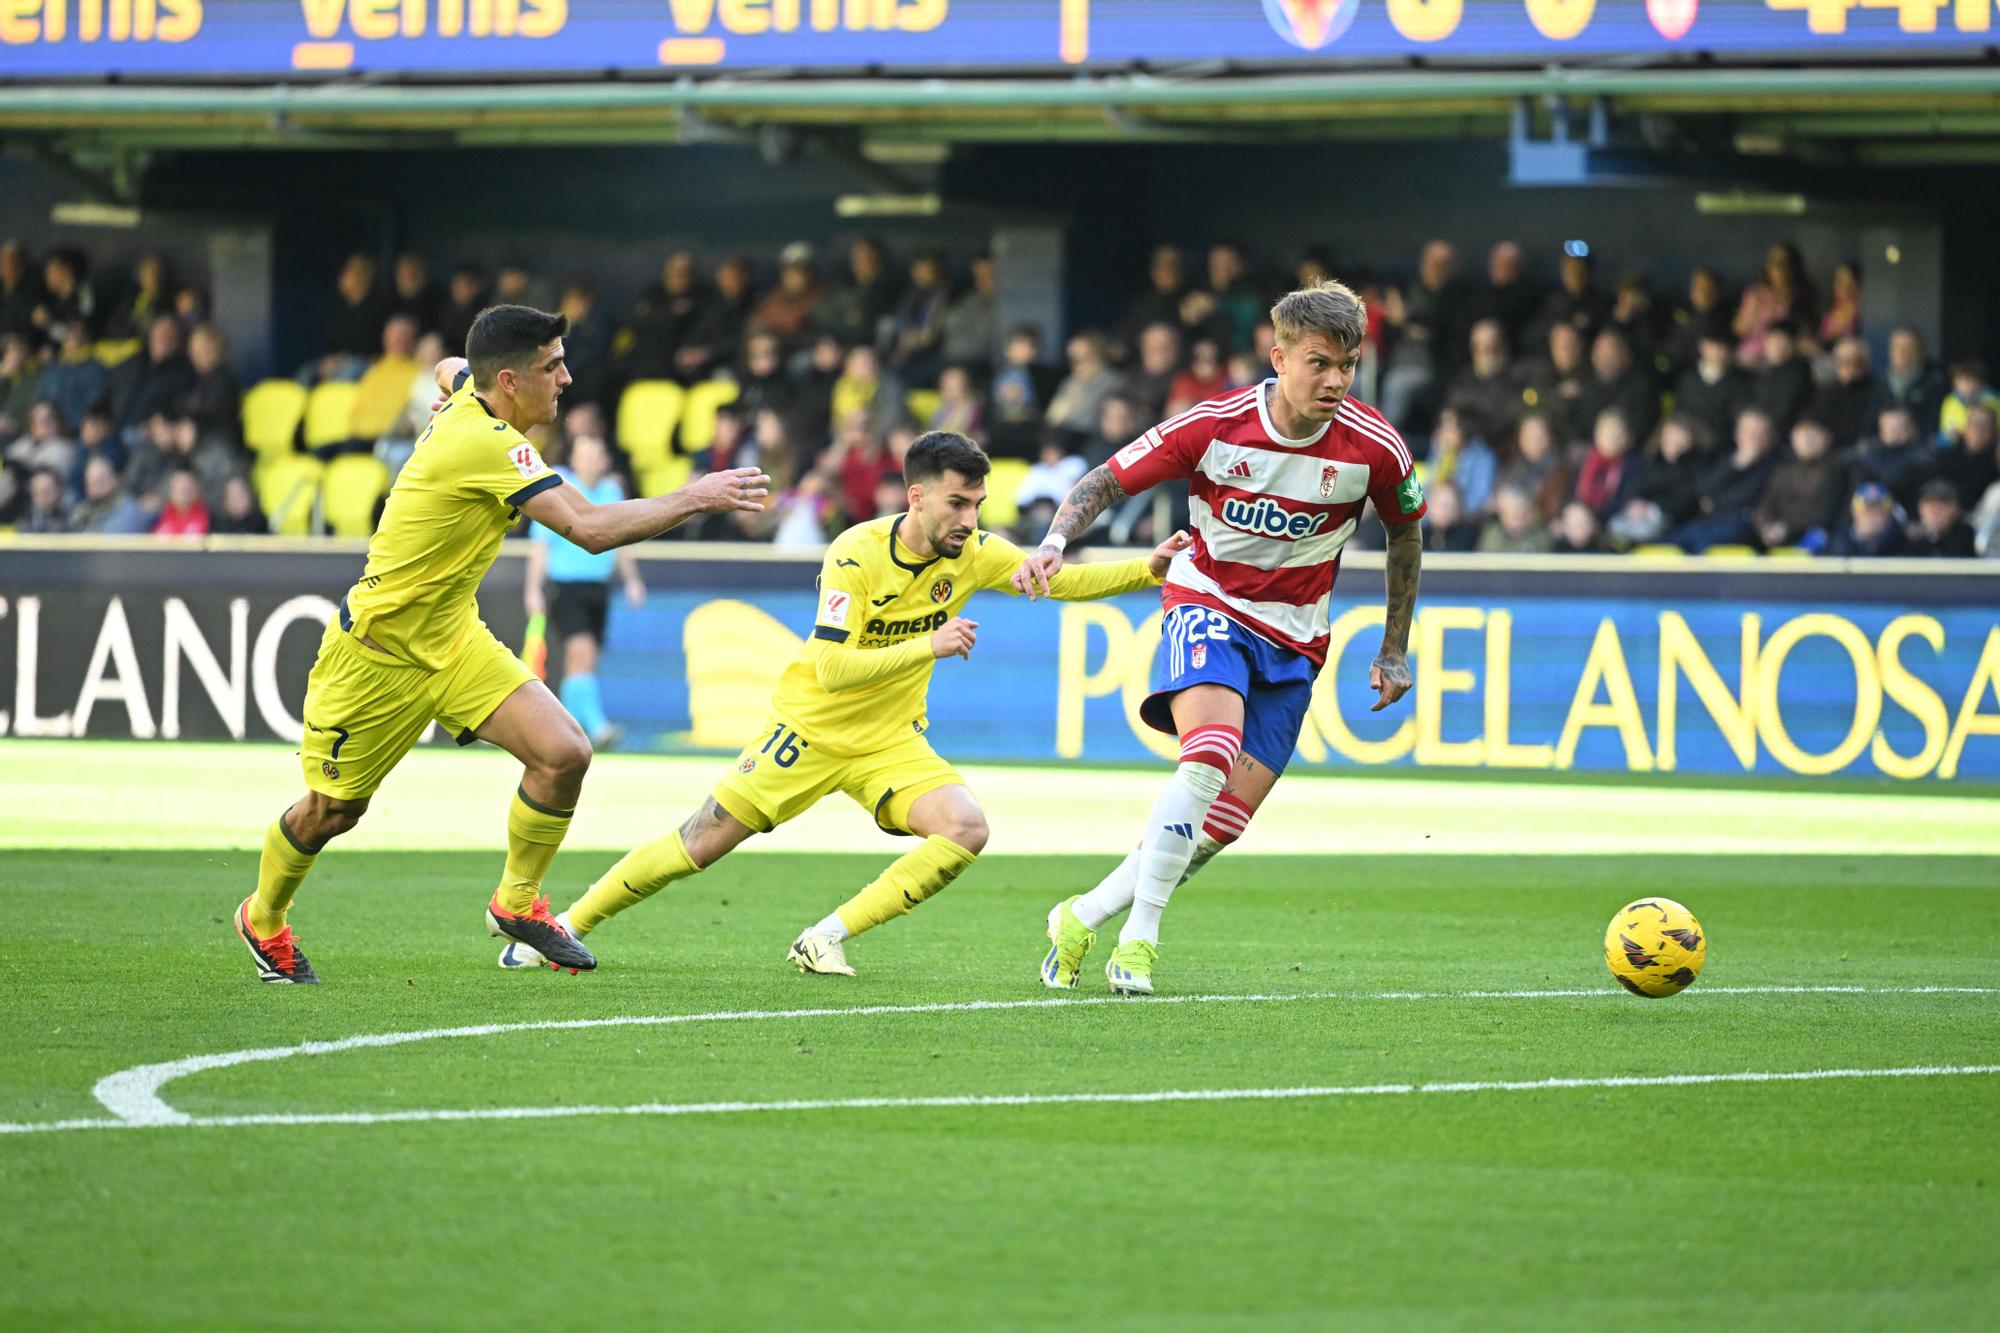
1057,540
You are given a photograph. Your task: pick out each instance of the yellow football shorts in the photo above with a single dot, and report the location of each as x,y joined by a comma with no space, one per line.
781,775
365,709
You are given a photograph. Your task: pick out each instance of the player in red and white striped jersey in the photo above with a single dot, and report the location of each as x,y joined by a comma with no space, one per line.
1277,474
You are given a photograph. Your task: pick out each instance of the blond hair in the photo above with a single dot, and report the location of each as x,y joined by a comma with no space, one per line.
1328,307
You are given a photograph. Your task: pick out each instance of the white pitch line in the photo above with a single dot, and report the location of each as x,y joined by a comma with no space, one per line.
1008,1099
134,1094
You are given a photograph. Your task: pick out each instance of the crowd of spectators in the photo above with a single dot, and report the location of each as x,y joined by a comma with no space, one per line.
1569,416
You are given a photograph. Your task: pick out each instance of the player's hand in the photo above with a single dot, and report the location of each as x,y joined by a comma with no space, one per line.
1390,674
956,638
447,371
1163,554
635,591
1035,572
731,489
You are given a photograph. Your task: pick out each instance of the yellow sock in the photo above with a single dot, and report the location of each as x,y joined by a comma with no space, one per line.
280,871
534,832
909,880
639,874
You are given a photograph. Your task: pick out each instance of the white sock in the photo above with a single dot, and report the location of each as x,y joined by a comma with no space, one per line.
833,927
1112,895
562,919
1174,826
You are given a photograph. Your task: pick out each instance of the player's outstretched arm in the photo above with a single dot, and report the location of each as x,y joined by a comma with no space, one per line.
595,527
1095,493
839,667
1088,582
1390,673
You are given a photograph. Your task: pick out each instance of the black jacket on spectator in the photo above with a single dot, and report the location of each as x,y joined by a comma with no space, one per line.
1971,472
1675,487
1901,471
1494,400
1782,391
1561,396
1803,496
424,306
1460,536
777,391
454,321
659,324
1514,305
1681,347
1955,544
1848,409
1632,393
356,329
215,403
1923,395
140,387
17,308
1889,542
855,311
1714,405
1731,490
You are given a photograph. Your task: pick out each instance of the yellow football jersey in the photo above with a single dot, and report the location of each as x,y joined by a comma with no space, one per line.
874,594
453,501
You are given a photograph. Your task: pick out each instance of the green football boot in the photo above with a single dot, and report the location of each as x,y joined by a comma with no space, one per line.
1130,968
1069,941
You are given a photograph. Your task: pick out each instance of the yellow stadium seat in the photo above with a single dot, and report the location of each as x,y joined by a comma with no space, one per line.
648,411
287,487
111,354
923,405
1003,484
1658,551
330,414
352,486
704,400
272,411
1789,553
1731,552
668,475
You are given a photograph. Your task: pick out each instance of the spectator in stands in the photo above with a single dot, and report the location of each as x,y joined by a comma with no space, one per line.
1801,502
1244,371
1895,457
170,444
1577,302
465,298
864,388
1202,379
241,515
45,510
1021,391
823,365
20,293
1912,380
1781,296
719,331
1237,304
383,396
1842,318
861,461
1538,469
1871,524
191,305
970,327
1969,463
518,284
66,298
1713,390
157,379
1940,529
151,296
1149,382
1488,387
1731,487
916,328
97,437
1608,473
1459,454
45,444
1118,424
1515,529
1508,296
1969,389
213,400
1847,403
184,514
1783,384
20,382
662,319
1556,387
1634,315
861,309
1072,411
1160,303
762,383
789,308
1446,528
396,444
1667,492
105,507
354,329
587,344
1617,383
1578,531
413,293
959,408
1426,335
1705,314
1045,487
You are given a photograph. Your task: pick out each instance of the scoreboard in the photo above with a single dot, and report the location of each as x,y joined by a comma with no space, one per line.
42,39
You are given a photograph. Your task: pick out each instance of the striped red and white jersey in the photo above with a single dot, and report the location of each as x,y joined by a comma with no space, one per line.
1271,514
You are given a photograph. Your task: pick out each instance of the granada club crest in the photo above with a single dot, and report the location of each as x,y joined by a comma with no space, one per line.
1329,477
1311,24
941,591
1672,18
1198,656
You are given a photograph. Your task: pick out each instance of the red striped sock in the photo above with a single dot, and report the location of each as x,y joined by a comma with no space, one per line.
1216,744
1227,819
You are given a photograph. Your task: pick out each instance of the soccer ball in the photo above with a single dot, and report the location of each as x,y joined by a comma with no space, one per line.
1654,947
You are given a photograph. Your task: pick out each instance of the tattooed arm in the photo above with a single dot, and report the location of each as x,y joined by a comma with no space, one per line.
1097,492
1390,672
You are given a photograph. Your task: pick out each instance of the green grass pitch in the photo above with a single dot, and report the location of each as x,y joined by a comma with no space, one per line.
1409,994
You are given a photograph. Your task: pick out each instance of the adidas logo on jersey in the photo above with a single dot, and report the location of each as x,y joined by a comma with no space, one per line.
1267,518
1241,472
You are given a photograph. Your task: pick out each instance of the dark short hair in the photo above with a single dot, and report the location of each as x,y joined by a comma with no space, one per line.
506,337
937,452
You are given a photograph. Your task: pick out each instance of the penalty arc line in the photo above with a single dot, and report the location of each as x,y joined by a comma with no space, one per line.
1010,1099
134,1094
